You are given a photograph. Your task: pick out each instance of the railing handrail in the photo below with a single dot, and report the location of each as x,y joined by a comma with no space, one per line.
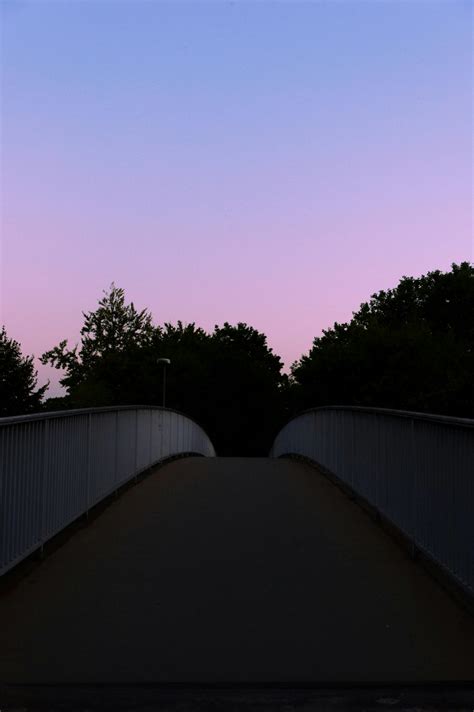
411,415
14,419
415,415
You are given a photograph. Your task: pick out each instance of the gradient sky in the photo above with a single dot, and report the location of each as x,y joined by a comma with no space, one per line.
273,163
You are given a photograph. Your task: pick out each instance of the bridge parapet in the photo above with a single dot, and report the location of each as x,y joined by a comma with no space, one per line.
54,467
416,469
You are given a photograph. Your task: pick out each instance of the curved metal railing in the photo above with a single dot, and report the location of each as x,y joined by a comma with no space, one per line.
416,469
55,466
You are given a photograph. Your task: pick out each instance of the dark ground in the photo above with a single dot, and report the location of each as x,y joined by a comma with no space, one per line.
233,571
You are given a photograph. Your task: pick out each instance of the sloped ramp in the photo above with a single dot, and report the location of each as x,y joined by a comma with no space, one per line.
237,571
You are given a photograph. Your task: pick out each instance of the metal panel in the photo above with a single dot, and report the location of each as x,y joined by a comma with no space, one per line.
103,474
65,479
143,440
126,432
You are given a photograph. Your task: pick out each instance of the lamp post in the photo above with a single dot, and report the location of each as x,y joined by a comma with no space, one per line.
165,362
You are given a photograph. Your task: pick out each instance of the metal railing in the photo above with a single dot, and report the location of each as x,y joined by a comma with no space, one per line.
417,470
54,467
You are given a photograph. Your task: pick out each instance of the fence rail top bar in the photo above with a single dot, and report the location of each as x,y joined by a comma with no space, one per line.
446,419
14,419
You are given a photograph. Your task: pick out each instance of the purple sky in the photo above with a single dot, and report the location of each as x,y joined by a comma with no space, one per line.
273,163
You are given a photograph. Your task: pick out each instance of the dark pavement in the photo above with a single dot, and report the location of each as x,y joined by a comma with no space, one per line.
232,570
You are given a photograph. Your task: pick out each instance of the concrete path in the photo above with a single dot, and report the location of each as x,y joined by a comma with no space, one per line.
232,570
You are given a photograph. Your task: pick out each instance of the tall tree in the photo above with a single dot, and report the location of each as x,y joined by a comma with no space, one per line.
18,380
102,369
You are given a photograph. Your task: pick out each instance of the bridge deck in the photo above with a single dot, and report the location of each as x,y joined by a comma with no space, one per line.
232,570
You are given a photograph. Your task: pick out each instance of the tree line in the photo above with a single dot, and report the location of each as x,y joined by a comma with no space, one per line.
410,348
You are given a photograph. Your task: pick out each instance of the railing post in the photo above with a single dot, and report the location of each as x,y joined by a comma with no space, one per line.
44,470
3,491
151,437
161,425
377,459
89,442
353,449
136,445
414,489
116,447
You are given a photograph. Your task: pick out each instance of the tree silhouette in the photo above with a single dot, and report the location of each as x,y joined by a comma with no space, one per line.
229,381
18,380
246,381
112,337
410,348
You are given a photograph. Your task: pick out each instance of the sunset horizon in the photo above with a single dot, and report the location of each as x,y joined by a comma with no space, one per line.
272,164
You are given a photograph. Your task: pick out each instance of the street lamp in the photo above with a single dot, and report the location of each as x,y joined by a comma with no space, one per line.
165,362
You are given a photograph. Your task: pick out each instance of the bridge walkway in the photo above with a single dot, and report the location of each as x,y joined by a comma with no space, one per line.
232,570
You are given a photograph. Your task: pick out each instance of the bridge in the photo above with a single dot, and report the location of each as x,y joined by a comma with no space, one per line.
343,559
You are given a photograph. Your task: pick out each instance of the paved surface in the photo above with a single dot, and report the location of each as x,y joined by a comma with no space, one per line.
232,570
247,699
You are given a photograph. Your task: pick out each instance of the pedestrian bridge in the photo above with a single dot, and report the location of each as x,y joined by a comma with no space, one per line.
237,570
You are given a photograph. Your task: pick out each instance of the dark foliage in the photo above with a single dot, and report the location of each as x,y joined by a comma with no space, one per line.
57,403
409,348
229,381
18,380
246,381
104,369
